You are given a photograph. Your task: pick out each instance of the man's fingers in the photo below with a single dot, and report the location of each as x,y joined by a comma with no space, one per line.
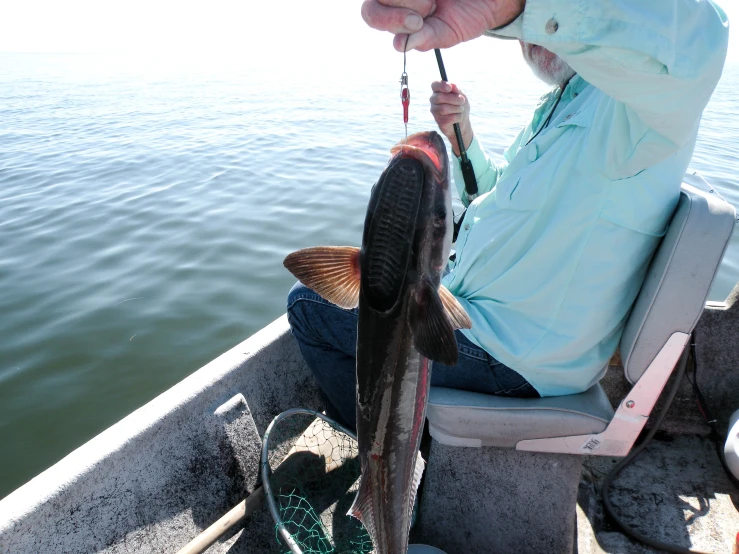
434,34
426,25
446,122
444,86
394,19
441,86
447,98
446,109
406,42
424,8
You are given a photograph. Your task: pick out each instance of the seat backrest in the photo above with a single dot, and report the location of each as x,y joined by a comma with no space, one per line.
680,275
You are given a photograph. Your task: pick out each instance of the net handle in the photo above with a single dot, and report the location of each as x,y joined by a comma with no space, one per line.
265,470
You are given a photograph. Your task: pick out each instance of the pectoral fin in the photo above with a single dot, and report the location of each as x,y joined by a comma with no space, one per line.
433,333
455,311
331,271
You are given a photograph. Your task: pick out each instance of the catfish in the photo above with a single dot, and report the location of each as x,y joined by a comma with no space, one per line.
406,319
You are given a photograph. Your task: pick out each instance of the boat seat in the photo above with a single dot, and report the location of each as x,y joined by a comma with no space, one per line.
664,314
461,418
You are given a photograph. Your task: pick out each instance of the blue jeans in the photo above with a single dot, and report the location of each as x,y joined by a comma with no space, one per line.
327,336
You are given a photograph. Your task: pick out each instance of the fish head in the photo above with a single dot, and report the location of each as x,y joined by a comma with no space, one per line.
434,225
408,229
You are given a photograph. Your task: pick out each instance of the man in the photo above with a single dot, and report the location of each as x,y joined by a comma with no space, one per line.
554,249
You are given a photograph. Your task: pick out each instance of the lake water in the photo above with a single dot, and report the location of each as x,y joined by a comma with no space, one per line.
146,207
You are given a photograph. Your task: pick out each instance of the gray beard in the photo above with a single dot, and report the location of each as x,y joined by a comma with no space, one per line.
559,73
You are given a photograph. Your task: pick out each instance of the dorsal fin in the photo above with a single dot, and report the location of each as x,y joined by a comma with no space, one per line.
433,334
457,314
331,271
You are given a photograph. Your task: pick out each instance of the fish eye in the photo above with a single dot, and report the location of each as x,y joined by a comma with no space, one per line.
439,218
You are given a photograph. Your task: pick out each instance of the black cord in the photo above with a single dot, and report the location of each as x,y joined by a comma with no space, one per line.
717,438
608,481
549,118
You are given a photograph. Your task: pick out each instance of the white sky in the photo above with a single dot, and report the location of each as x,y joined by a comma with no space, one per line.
326,32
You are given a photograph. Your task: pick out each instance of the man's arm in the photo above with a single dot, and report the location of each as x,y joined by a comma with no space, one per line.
660,58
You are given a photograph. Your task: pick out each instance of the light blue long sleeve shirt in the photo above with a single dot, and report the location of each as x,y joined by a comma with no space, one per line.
554,250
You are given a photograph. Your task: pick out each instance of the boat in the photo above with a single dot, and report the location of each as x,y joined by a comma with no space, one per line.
495,482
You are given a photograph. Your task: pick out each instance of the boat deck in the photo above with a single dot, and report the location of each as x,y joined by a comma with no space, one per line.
156,479
675,492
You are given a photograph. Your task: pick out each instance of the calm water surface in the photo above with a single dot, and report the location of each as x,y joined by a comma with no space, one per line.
145,210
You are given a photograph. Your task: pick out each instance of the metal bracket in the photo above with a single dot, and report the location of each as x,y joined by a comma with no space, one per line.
631,416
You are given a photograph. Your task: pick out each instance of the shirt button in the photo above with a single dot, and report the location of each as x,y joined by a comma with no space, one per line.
466,226
551,27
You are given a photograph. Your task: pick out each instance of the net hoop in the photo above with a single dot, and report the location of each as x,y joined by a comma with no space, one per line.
266,471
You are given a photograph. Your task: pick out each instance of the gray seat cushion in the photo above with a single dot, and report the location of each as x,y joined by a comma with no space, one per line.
679,278
502,421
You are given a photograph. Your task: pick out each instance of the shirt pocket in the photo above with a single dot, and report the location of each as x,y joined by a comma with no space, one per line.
516,189
527,181
641,204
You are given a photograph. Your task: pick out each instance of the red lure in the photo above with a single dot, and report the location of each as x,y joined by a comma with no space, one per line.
405,96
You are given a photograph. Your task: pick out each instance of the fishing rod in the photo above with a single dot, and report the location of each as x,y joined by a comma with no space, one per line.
468,173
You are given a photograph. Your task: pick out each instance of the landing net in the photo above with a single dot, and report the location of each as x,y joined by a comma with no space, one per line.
310,471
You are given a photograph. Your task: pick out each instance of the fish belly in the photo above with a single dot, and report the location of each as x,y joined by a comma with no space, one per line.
393,382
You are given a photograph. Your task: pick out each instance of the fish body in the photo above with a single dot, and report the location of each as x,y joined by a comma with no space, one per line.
405,320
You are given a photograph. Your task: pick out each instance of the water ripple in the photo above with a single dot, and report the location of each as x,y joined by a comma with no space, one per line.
144,218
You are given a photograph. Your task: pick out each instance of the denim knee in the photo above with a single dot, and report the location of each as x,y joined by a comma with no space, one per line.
301,305
297,291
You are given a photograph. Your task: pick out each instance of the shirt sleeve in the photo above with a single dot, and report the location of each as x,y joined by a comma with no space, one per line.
487,171
661,58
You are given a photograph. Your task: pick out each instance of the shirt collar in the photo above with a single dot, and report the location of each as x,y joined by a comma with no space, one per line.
576,85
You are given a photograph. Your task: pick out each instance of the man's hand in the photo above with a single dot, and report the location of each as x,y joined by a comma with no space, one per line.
438,23
450,106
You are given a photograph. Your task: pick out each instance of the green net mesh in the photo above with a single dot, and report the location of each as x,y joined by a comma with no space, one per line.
313,476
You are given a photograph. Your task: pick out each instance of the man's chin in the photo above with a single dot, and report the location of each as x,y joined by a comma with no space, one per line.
546,65
559,77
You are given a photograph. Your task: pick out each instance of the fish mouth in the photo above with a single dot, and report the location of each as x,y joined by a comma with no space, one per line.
428,144
388,241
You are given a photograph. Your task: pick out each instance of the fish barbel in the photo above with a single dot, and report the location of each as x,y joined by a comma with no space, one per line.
406,318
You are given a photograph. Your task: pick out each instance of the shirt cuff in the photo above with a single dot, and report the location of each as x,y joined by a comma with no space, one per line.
545,22
477,157
552,21
479,161
514,30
